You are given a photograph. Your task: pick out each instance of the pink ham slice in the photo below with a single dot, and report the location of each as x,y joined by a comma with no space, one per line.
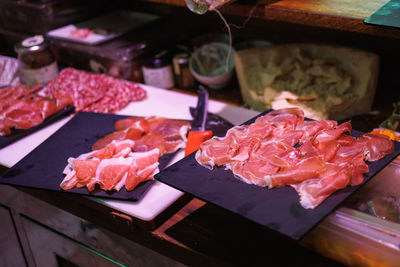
110,172
111,167
317,158
305,169
313,191
167,134
145,167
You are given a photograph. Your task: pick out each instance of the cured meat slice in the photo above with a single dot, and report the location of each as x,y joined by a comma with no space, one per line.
131,122
95,92
80,33
22,115
69,181
376,146
148,133
317,158
86,168
216,151
21,107
287,118
110,172
311,128
305,169
313,191
149,142
145,167
108,139
332,134
169,129
253,171
111,167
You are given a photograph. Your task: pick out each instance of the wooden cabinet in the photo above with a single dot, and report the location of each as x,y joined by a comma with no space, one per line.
48,236
11,251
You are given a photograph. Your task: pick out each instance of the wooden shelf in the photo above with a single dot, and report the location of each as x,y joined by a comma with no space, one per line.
345,15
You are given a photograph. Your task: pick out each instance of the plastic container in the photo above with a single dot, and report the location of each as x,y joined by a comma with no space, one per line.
121,57
38,17
118,59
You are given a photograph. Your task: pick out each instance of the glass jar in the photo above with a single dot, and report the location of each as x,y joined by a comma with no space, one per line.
183,76
157,70
36,62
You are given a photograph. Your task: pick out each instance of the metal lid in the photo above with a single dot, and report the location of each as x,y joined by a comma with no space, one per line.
158,60
31,45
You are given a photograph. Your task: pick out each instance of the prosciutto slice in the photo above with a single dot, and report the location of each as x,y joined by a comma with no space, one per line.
111,167
316,158
21,107
168,135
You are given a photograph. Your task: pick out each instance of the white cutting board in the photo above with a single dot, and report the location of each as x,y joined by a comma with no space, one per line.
160,102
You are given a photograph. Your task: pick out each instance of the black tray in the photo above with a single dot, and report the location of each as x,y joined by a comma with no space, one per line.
278,209
19,134
43,167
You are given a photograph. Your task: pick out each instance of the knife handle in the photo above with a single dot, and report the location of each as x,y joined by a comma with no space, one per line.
195,139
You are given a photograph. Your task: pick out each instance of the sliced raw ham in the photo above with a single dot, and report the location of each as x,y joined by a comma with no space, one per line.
21,107
216,151
69,181
145,167
317,158
131,122
149,142
168,135
305,169
311,128
332,134
287,118
169,129
313,191
376,146
108,139
85,168
111,167
110,172
253,171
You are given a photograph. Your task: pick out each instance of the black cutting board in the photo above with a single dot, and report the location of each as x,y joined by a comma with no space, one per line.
388,15
19,134
43,167
278,209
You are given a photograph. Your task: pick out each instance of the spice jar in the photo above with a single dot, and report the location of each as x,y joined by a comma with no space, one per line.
36,62
183,76
157,70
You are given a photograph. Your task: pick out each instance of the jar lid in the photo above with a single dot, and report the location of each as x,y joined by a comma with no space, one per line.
181,58
31,44
159,60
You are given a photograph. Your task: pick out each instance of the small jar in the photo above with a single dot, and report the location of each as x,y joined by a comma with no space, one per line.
36,62
183,76
157,71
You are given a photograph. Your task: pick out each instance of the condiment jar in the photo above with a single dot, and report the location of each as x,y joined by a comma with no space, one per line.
157,70
183,76
36,62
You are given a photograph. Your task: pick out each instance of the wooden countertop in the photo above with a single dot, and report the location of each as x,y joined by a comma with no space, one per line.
345,15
